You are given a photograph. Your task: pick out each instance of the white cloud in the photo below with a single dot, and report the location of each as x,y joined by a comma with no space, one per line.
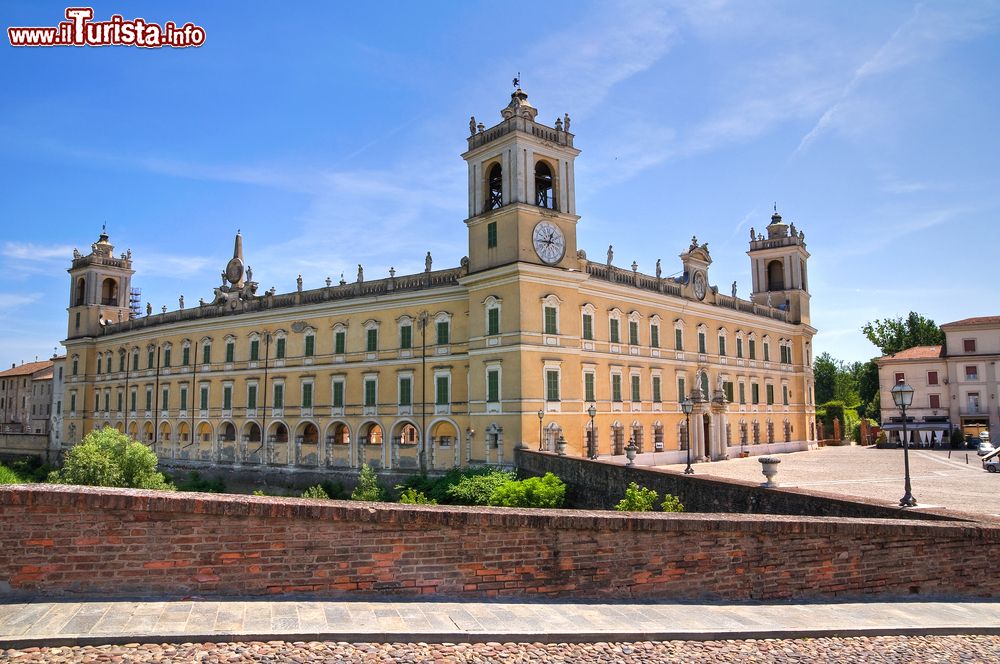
29,251
14,300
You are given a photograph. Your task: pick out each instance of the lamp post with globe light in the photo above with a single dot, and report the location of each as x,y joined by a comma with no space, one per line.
592,443
902,396
687,406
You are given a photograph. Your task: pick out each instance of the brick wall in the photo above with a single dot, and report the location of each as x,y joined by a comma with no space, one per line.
601,484
56,540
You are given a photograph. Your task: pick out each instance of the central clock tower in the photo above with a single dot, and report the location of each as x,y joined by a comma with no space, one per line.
522,199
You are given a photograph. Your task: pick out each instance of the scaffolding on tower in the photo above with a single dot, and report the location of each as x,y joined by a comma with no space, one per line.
135,302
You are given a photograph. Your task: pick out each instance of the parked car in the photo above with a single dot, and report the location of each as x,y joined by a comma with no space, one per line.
985,448
992,466
972,442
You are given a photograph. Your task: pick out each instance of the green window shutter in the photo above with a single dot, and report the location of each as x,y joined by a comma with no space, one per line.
493,386
372,343
654,336
616,387
681,391
767,352
310,345
206,354
784,394
770,394
588,326
279,396
442,390
728,387
615,335
230,352
72,403
743,393
164,400
550,320
754,393
704,386
185,356
491,235
753,349
339,342
166,358
149,400
635,389
552,385
405,398
588,387
739,347
107,400
307,395
132,398
657,397
121,362
406,337
370,390
100,363
149,359
119,402
701,343
442,332
184,399
254,350
279,350
252,396
633,333
678,339
493,321
338,394
722,345
227,398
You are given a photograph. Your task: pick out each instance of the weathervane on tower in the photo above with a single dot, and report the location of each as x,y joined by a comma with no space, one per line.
517,80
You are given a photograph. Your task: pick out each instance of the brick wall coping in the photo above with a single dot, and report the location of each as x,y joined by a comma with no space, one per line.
424,516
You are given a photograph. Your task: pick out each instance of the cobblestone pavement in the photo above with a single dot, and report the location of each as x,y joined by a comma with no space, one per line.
957,483
923,649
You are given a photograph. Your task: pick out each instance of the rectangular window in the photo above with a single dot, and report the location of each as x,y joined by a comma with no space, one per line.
550,320
107,401
339,342
149,400
551,385
119,400
493,386
753,349
72,403
279,348
405,391
784,394
678,339
121,364
969,345
722,345
767,352
615,336
633,333
254,350
78,320
588,327
230,352
491,235
442,332
406,337
338,394
372,340
636,395
588,387
370,392
754,393
76,367
702,343
100,361
681,391
149,359
492,321
227,397
307,395
310,349
206,354
441,393
971,373
654,336
935,400
251,396
898,377
184,398
932,378
166,357
657,397
279,395
165,399
132,398
185,356
616,388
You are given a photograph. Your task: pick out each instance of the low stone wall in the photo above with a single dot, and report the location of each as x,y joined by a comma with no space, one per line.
20,445
59,540
600,485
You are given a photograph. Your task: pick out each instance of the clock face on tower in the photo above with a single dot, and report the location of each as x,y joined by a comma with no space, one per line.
549,242
699,285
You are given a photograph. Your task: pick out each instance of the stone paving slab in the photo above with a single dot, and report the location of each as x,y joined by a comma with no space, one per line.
42,623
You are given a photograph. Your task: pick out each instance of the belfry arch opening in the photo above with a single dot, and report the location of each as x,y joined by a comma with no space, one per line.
109,292
494,185
545,195
775,276
81,292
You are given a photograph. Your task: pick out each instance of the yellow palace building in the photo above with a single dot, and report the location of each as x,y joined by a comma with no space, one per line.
517,345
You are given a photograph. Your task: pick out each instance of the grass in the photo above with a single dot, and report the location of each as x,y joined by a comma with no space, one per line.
8,476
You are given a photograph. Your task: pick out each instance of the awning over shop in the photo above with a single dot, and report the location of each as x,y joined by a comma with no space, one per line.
917,426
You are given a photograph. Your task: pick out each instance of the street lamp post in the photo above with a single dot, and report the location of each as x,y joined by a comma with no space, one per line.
902,395
592,443
541,416
687,406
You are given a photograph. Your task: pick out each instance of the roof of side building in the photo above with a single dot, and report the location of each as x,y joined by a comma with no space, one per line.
980,320
915,353
26,369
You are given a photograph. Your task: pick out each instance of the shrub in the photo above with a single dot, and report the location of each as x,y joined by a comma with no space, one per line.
334,489
477,489
637,499
8,476
195,482
316,492
671,503
258,492
436,488
108,458
31,469
368,487
413,497
547,491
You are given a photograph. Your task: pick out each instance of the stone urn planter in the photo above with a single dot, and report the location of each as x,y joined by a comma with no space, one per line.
630,451
561,446
769,466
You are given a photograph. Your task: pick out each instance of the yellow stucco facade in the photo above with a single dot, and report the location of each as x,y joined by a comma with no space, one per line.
453,367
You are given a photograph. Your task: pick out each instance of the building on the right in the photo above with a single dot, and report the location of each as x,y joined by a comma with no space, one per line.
955,385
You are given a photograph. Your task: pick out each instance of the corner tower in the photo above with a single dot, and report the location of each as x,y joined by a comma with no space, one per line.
99,288
778,265
522,199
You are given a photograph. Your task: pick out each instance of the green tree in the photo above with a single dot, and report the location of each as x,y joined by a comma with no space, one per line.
316,492
547,491
368,487
891,335
108,458
413,497
637,499
671,503
825,377
867,380
477,489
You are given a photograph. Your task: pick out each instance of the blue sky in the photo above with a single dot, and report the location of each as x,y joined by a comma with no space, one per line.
330,134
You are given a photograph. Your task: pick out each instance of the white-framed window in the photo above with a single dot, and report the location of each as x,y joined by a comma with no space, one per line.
404,389
442,391
723,335
371,336
589,386
251,396
494,384
230,345
767,348
615,326
587,313
739,344
492,310
186,353
404,326
339,339
552,376
442,327
550,315
616,386
678,335
277,396
206,351
338,392
307,395
227,397
635,386
703,339
654,331
633,328
371,392
309,342
254,355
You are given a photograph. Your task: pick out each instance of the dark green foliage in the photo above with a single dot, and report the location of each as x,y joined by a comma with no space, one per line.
195,482
335,489
31,469
436,488
891,335
547,491
477,489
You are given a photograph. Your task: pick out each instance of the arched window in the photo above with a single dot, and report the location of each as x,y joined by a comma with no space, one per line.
81,291
495,184
109,292
775,276
545,195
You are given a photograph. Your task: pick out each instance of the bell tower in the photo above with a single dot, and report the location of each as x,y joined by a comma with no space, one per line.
522,198
778,265
99,288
